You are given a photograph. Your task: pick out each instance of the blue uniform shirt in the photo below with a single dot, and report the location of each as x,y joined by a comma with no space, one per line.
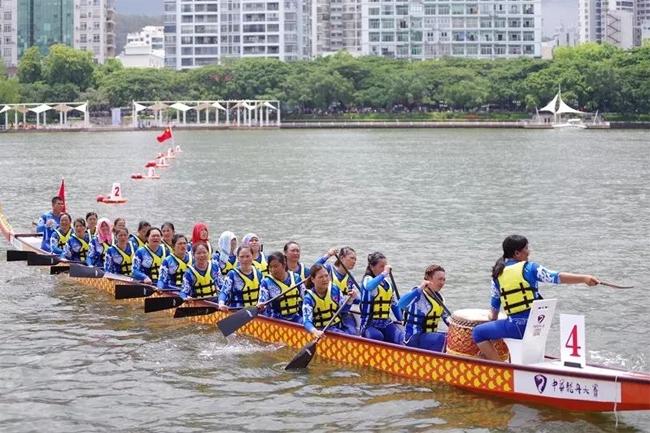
416,303
368,292
189,280
231,291
308,305
269,289
143,263
72,250
55,248
97,253
41,227
168,271
113,259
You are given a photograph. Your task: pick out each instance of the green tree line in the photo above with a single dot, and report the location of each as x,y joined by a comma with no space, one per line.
593,77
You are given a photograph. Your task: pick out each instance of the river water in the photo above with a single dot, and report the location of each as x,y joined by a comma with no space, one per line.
74,360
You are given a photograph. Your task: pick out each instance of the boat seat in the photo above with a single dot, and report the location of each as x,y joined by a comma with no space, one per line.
532,347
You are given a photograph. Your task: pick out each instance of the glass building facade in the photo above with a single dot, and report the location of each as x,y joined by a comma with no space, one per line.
43,23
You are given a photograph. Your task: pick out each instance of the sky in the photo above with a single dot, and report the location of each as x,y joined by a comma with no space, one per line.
555,12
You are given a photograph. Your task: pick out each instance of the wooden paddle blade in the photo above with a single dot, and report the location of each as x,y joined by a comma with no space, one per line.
236,320
194,311
42,260
130,291
59,269
18,256
303,358
162,303
81,271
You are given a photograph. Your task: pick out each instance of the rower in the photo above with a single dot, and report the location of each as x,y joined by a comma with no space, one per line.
147,259
118,223
91,224
100,244
321,302
424,309
377,301
514,286
342,280
175,264
280,280
292,252
61,235
241,287
76,249
200,233
200,278
259,260
119,257
226,257
49,221
139,239
168,232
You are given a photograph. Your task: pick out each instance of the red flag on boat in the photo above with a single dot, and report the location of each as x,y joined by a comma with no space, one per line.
61,193
166,135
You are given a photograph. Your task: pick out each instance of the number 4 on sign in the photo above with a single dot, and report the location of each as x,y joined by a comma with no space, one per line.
573,348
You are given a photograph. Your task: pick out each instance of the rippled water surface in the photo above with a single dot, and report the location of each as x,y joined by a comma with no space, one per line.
74,360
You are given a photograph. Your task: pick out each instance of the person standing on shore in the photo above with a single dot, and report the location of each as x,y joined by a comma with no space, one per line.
49,221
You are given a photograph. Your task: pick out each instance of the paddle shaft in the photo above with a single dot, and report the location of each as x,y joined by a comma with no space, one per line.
392,280
348,272
615,286
439,300
283,294
338,312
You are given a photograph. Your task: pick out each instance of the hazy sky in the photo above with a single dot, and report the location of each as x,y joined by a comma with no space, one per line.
555,12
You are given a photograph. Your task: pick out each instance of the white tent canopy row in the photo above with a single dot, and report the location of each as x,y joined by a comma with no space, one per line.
41,109
558,106
245,112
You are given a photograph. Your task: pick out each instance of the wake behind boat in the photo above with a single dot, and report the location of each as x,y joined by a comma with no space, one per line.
547,382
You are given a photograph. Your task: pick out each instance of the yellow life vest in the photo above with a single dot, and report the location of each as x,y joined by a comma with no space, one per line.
83,252
324,309
157,261
290,303
91,235
261,264
127,261
428,322
63,239
228,266
133,239
204,285
382,301
342,283
180,271
301,271
251,290
516,293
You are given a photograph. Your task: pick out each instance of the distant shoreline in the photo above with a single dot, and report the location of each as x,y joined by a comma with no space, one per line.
329,124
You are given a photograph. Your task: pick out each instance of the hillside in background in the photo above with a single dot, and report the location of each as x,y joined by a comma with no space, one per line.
132,23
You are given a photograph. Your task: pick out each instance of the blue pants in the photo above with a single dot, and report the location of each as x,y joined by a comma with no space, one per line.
348,324
340,329
498,329
434,341
390,334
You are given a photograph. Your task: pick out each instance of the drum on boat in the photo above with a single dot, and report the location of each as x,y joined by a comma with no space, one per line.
459,336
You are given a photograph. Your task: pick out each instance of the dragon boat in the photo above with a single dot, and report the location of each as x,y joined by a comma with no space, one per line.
549,382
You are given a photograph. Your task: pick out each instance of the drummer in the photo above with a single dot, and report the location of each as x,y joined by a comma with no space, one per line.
514,286
424,308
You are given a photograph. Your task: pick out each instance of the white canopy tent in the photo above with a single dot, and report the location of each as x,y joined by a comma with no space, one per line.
41,109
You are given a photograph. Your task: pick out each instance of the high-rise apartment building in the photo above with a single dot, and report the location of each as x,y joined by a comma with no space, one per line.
200,32
336,26
615,22
469,28
8,37
82,24
144,49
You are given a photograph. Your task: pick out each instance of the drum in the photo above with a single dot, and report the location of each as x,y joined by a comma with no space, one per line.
459,336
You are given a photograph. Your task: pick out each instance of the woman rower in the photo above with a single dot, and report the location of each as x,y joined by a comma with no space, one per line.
77,247
226,257
200,233
61,235
119,257
424,307
147,259
168,233
91,224
321,302
342,280
118,223
100,244
280,280
200,278
241,287
377,301
292,252
514,286
259,260
175,264
139,239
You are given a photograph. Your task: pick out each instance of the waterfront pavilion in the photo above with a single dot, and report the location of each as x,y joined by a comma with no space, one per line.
23,114
250,113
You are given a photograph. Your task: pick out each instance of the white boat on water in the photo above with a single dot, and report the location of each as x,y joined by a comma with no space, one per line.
570,124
